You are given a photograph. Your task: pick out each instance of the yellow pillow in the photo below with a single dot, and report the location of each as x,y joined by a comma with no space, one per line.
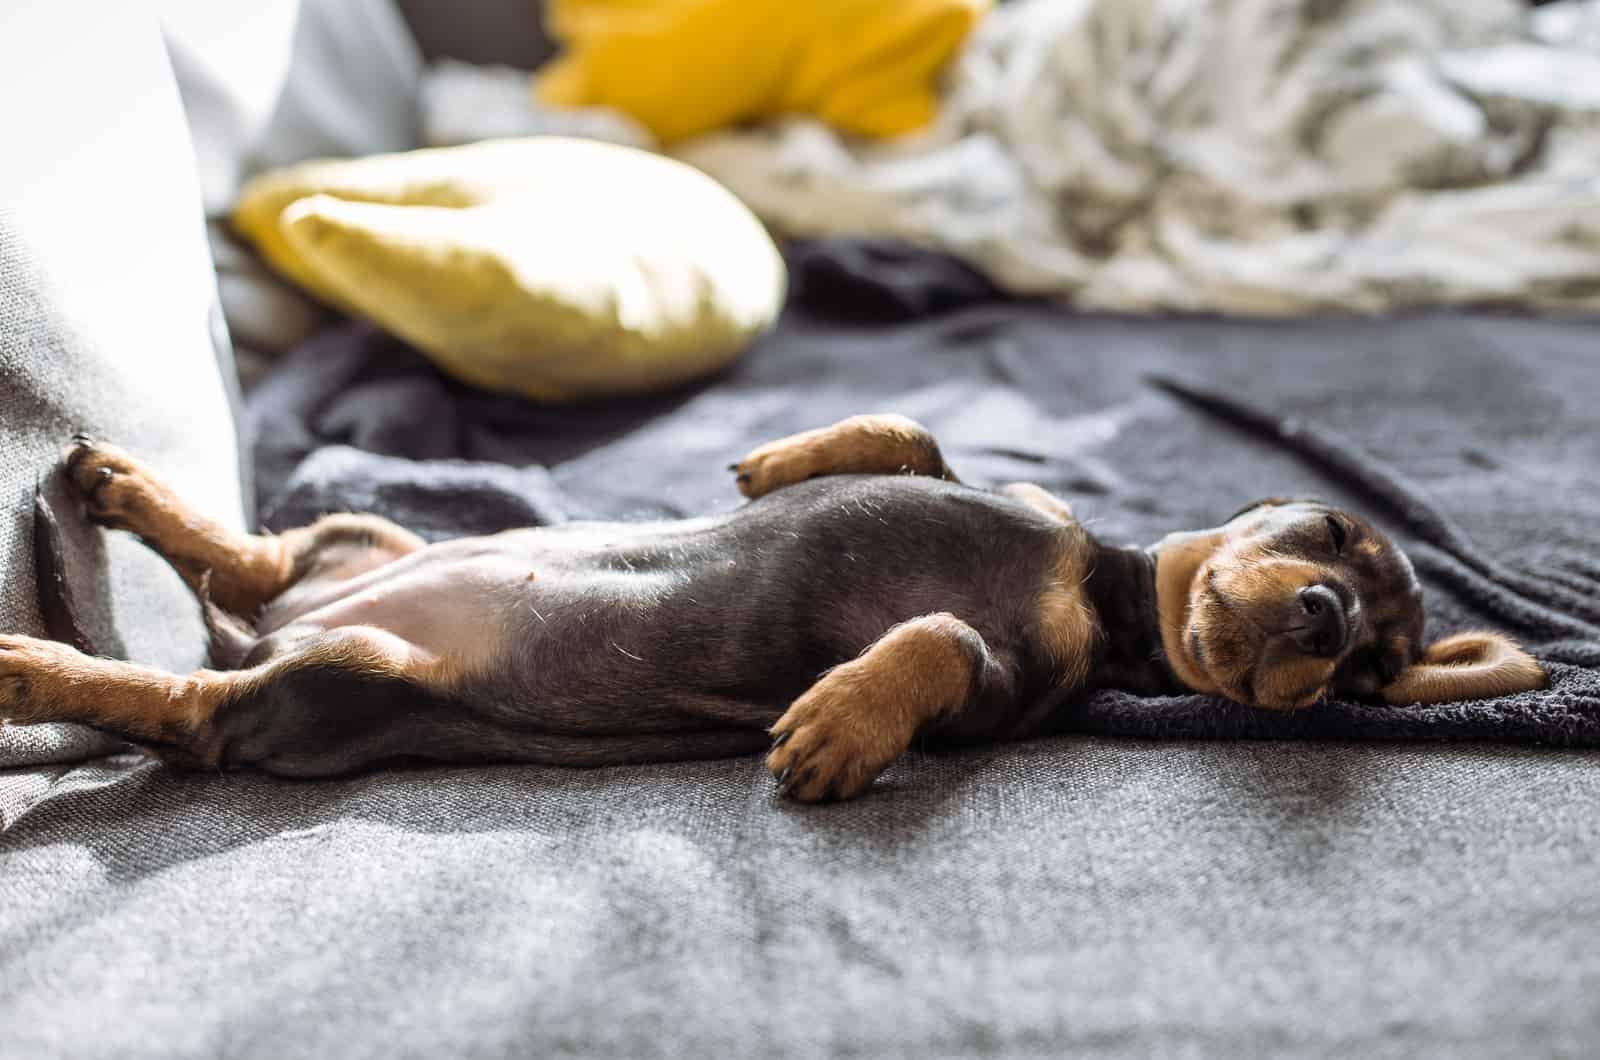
553,268
685,67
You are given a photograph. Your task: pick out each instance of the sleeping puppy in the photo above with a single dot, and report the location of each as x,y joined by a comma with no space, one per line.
864,599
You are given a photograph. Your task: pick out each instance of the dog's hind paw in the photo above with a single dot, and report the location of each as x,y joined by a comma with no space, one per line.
113,486
771,467
32,673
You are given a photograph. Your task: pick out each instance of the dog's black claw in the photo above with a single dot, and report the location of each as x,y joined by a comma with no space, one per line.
733,467
102,479
781,739
742,479
783,780
75,455
82,438
799,780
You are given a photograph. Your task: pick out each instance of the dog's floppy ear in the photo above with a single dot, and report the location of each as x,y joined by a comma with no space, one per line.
1466,666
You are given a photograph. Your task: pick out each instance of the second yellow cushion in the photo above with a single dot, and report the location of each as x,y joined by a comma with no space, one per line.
685,67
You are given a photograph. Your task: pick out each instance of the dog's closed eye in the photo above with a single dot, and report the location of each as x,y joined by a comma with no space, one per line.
1337,535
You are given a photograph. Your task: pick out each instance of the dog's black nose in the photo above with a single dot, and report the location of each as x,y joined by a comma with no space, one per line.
1325,627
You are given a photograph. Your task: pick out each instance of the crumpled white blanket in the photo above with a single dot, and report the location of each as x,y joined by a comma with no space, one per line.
1241,156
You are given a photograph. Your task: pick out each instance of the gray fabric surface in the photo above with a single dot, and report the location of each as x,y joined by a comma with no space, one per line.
108,323
1063,897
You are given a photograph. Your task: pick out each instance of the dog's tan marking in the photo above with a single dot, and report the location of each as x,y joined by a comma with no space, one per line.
1293,682
1178,561
245,570
878,444
1040,500
1068,628
1401,646
843,732
1254,575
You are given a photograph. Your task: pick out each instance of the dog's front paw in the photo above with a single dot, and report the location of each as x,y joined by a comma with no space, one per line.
30,675
831,744
773,466
112,485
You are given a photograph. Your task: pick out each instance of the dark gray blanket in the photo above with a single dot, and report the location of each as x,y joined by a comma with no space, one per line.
1081,895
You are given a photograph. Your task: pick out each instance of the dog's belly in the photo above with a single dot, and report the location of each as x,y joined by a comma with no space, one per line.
459,598
442,608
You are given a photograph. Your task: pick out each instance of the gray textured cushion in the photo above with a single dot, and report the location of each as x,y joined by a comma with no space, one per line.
108,320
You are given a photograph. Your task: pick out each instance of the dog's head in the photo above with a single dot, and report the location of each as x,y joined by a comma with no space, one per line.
1290,602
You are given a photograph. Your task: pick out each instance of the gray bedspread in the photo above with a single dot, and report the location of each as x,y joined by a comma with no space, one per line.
1088,893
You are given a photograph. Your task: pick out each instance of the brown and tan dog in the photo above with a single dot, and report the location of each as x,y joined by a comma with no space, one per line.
863,600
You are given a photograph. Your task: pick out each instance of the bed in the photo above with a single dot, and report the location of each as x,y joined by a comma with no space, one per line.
1174,876
1165,876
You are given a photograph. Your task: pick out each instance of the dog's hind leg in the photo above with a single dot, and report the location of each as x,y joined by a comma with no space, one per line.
239,572
334,702
330,702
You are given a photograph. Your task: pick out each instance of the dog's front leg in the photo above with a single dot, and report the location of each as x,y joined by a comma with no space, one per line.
837,737
885,444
